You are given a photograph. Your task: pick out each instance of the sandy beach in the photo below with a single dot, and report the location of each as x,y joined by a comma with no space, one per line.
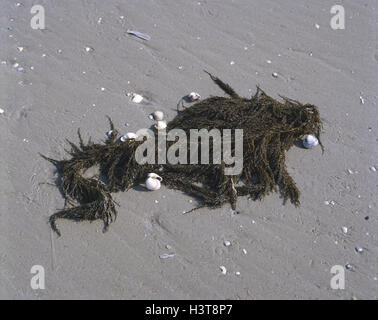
51,85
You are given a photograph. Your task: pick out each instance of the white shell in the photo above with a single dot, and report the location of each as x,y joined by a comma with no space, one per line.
166,255
160,125
158,115
227,243
310,141
193,96
344,229
153,181
223,269
129,135
136,98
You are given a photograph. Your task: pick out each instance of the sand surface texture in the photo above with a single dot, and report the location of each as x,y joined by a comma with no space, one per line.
276,251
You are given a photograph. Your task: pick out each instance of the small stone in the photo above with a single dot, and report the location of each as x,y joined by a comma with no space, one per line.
350,171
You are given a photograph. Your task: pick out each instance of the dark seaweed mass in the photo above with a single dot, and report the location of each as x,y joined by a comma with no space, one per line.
270,128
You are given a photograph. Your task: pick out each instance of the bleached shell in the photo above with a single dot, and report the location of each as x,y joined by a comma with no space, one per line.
310,141
153,184
193,96
160,125
154,176
158,115
136,98
223,269
129,135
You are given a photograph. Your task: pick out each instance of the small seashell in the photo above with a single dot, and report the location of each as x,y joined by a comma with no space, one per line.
15,65
349,267
109,133
373,169
275,74
268,61
160,125
358,249
88,49
237,273
310,141
127,136
317,26
136,98
158,115
344,229
166,255
1,111
227,243
153,181
362,100
20,49
223,269
244,251
193,96
232,63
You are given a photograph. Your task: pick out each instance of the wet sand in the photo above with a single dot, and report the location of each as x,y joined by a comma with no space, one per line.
288,251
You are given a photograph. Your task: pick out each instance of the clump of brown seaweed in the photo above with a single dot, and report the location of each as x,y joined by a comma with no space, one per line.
270,128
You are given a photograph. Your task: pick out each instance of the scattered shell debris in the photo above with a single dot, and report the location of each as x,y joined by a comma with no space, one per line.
166,255
223,269
310,141
153,181
139,34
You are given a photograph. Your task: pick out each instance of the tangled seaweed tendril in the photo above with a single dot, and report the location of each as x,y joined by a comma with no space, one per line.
270,128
